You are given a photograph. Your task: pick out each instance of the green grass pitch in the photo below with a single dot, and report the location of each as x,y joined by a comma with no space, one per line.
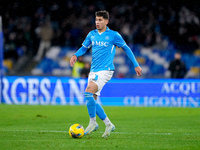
39,127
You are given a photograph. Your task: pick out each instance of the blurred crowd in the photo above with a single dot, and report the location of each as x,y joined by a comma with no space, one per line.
32,27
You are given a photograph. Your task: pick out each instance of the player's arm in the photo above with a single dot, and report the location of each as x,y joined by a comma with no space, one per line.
131,56
119,41
80,52
85,46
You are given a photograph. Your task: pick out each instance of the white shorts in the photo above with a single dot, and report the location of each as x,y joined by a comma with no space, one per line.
100,78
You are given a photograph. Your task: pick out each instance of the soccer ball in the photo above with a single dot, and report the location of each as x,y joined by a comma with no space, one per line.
76,131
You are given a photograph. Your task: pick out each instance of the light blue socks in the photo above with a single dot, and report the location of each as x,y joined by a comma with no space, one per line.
100,112
93,107
91,104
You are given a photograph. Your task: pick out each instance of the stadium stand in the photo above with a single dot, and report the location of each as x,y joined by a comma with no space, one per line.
154,31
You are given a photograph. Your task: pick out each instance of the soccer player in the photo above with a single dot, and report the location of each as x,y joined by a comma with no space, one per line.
103,42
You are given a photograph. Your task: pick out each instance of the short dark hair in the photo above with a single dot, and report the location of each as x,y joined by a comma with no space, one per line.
102,13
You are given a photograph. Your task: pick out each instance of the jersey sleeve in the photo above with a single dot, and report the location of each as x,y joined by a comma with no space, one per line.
130,55
81,51
119,41
87,43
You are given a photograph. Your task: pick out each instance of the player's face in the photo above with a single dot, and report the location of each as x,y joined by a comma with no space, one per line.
101,23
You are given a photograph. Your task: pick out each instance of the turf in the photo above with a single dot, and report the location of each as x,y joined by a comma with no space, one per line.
39,127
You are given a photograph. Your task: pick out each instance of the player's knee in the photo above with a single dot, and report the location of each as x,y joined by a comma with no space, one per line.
92,87
88,89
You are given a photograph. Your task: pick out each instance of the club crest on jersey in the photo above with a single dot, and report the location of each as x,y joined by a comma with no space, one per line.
100,43
107,38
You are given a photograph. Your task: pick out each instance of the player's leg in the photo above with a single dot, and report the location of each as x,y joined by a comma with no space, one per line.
100,111
91,106
105,76
102,115
96,83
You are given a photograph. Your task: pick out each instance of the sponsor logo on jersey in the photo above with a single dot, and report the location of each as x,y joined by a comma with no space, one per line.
100,43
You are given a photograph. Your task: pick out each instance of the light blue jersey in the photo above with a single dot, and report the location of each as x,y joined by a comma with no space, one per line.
103,49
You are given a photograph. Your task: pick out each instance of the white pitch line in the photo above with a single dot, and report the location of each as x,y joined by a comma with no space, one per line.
138,133
67,131
31,131
127,133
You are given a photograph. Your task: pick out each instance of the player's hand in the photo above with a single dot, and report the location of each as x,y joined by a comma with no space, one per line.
73,60
138,71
